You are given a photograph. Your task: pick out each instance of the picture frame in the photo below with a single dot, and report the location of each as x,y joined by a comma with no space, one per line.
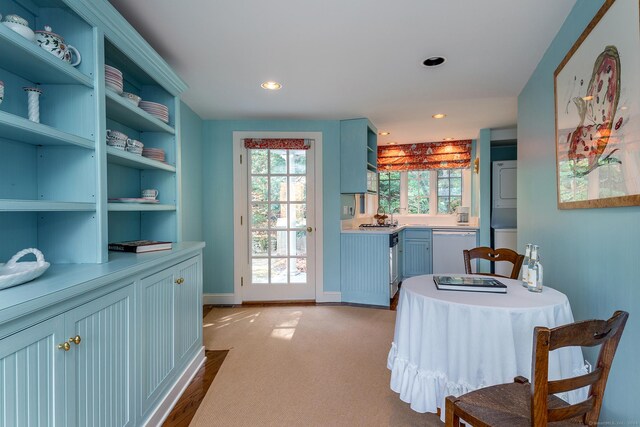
597,112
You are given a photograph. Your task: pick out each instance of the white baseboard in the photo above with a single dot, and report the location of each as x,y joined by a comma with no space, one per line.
164,408
218,299
329,297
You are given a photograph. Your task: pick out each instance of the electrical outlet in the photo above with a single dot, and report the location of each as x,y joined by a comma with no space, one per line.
345,210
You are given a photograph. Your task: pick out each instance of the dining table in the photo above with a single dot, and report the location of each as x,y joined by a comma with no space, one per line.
453,342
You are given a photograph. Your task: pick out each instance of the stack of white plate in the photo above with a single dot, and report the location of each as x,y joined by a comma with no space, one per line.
113,78
158,110
153,153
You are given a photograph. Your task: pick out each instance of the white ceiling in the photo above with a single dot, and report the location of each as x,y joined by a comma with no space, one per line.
339,59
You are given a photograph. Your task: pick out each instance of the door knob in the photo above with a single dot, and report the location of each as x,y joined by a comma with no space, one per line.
76,340
309,229
179,281
64,346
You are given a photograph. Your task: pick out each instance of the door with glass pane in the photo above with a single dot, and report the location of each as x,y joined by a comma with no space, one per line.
280,225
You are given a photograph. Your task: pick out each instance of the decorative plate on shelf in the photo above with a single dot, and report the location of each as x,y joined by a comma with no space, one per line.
133,200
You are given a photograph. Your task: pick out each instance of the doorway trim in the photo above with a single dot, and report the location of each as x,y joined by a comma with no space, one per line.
240,243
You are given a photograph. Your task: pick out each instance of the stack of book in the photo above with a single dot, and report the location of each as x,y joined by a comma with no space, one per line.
140,246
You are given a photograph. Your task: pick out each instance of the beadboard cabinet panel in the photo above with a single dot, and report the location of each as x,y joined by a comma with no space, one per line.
187,296
364,269
417,257
99,377
30,368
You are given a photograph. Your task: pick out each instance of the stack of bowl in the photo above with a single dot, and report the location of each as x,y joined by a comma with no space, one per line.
113,78
134,146
117,139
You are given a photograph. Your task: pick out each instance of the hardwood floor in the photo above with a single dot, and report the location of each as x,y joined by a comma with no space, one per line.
187,405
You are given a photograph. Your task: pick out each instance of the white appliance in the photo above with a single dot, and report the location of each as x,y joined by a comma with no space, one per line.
505,238
505,184
447,250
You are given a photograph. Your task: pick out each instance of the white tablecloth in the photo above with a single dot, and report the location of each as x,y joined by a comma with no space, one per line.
452,342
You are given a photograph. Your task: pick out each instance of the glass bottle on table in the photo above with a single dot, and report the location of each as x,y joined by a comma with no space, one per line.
525,265
535,271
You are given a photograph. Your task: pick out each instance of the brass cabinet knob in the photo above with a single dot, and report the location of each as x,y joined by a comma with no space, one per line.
76,340
179,281
64,346
309,229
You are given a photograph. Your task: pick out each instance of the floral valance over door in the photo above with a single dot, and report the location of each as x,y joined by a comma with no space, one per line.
425,156
277,143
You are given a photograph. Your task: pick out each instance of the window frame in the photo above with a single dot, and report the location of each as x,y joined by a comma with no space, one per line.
433,191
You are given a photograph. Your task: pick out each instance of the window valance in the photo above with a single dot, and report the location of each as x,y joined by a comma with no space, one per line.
278,143
425,156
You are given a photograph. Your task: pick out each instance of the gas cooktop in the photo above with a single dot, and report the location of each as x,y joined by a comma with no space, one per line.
377,226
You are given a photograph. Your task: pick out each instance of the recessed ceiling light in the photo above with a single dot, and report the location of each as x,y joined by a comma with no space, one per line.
447,139
439,116
271,85
384,133
434,61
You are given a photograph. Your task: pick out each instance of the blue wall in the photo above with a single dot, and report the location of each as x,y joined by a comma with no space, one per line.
591,255
191,151
218,197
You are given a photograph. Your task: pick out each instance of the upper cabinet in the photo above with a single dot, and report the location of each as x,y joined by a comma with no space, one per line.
62,188
358,155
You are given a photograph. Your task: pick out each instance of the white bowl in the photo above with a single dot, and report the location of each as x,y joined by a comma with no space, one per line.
21,29
131,97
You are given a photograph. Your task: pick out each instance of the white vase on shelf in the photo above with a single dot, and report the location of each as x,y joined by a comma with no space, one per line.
33,99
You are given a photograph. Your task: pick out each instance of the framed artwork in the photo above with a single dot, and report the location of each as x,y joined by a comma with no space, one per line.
597,105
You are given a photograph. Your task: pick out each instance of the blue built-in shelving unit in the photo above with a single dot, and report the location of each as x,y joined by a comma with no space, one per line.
57,176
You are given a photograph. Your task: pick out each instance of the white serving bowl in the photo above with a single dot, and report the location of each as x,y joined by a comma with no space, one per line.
14,273
20,26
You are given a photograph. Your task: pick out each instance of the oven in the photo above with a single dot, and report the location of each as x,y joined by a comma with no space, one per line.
393,264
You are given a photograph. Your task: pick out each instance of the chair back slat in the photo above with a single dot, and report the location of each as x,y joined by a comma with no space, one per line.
571,411
574,383
584,334
493,255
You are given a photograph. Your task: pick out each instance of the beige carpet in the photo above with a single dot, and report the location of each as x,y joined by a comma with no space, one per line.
303,366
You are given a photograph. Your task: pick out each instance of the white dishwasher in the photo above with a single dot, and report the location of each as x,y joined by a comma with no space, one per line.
447,250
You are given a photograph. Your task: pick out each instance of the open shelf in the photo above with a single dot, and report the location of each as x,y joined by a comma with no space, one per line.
125,158
44,206
123,111
134,207
27,59
23,130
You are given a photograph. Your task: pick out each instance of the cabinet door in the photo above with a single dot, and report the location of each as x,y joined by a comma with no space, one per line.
99,364
188,306
417,257
156,339
32,376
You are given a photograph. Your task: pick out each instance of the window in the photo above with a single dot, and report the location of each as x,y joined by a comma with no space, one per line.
389,191
435,192
418,192
449,190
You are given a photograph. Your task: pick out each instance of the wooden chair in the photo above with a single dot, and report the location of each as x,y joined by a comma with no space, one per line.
494,255
523,404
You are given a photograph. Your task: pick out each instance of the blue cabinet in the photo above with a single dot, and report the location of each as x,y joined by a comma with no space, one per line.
364,268
171,319
416,252
358,155
83,363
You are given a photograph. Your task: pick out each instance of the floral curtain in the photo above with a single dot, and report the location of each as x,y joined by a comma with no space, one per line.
424,156
278,143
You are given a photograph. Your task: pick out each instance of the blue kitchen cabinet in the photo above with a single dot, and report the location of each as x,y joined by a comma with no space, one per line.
416,252
358,155
364,268
171,327
83,363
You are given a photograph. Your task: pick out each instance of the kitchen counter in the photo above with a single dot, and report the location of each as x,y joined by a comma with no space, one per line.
389,230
